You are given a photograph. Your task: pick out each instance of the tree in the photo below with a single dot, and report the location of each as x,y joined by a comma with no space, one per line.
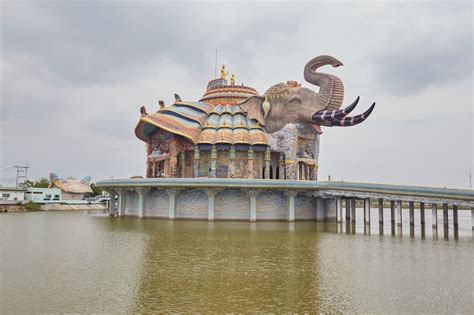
96,190
42,183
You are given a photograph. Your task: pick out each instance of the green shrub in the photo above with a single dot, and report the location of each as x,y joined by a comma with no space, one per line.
31,206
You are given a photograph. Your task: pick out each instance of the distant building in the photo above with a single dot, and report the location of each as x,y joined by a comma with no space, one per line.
43,194
71,188
12,194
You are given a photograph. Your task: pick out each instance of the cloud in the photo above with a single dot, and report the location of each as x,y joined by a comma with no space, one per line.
74,75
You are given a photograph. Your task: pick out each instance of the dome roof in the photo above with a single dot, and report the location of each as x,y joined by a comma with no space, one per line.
219,93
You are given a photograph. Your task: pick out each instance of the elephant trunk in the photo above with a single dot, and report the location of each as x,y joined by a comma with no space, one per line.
331,92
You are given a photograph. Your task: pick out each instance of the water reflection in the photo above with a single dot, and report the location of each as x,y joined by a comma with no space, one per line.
87,263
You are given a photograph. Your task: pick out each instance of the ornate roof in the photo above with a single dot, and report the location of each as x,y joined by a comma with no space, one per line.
219,93
214,119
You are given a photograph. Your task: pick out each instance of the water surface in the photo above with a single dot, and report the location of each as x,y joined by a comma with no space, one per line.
88,262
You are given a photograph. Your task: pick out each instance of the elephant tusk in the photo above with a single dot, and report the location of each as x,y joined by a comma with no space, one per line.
354,120
328,116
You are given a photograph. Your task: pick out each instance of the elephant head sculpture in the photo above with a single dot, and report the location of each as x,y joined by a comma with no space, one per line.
289,102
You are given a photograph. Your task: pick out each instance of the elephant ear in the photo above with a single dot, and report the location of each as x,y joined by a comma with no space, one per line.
252,106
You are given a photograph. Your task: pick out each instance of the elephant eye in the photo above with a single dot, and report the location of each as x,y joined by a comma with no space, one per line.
295,100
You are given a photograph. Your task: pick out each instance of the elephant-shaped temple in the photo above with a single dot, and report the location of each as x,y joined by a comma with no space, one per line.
233,132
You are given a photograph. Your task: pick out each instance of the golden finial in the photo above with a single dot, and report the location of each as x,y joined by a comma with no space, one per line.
232,80
223,73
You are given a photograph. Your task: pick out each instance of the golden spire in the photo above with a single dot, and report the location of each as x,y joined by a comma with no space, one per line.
223,73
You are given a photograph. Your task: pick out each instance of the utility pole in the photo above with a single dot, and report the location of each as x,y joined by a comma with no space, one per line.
21,174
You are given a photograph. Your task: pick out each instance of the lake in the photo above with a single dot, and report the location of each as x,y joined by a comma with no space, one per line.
56,262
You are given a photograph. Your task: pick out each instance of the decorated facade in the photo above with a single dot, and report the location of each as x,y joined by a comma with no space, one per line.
234,132
71,188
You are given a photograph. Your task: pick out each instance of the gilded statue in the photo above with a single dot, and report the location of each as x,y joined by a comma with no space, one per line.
223,73
232,80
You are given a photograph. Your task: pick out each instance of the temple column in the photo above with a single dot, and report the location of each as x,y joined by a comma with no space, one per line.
434,215
281,166
142,192
290,195
172,203
250,162
213,161
181,162
211,193
267,163
302,172
307,172
367,211
197,157
231,165
121,202
297,171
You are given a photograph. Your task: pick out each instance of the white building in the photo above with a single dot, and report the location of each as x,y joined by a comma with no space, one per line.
12,194
43,194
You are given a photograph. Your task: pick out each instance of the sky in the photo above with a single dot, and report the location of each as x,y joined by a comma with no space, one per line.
73,76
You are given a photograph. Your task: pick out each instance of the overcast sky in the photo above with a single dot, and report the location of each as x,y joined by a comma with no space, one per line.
74,75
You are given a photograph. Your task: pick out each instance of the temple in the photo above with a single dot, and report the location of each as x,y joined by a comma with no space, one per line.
234,132
215,138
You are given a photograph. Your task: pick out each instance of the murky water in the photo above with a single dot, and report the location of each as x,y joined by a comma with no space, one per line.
82,262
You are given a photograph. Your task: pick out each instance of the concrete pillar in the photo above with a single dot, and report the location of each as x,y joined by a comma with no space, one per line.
197,157
399,212
455,216
142,192
172,204
250,162
353,210
367,211
411,211
472,217
320,209
112,203
290,195
252,193
445,215
348,210
381,211
338,209
392,212
434,215
121,202
211,193
422,214
213,161
266,175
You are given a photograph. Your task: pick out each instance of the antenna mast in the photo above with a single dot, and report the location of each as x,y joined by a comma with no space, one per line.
21,174
215,66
